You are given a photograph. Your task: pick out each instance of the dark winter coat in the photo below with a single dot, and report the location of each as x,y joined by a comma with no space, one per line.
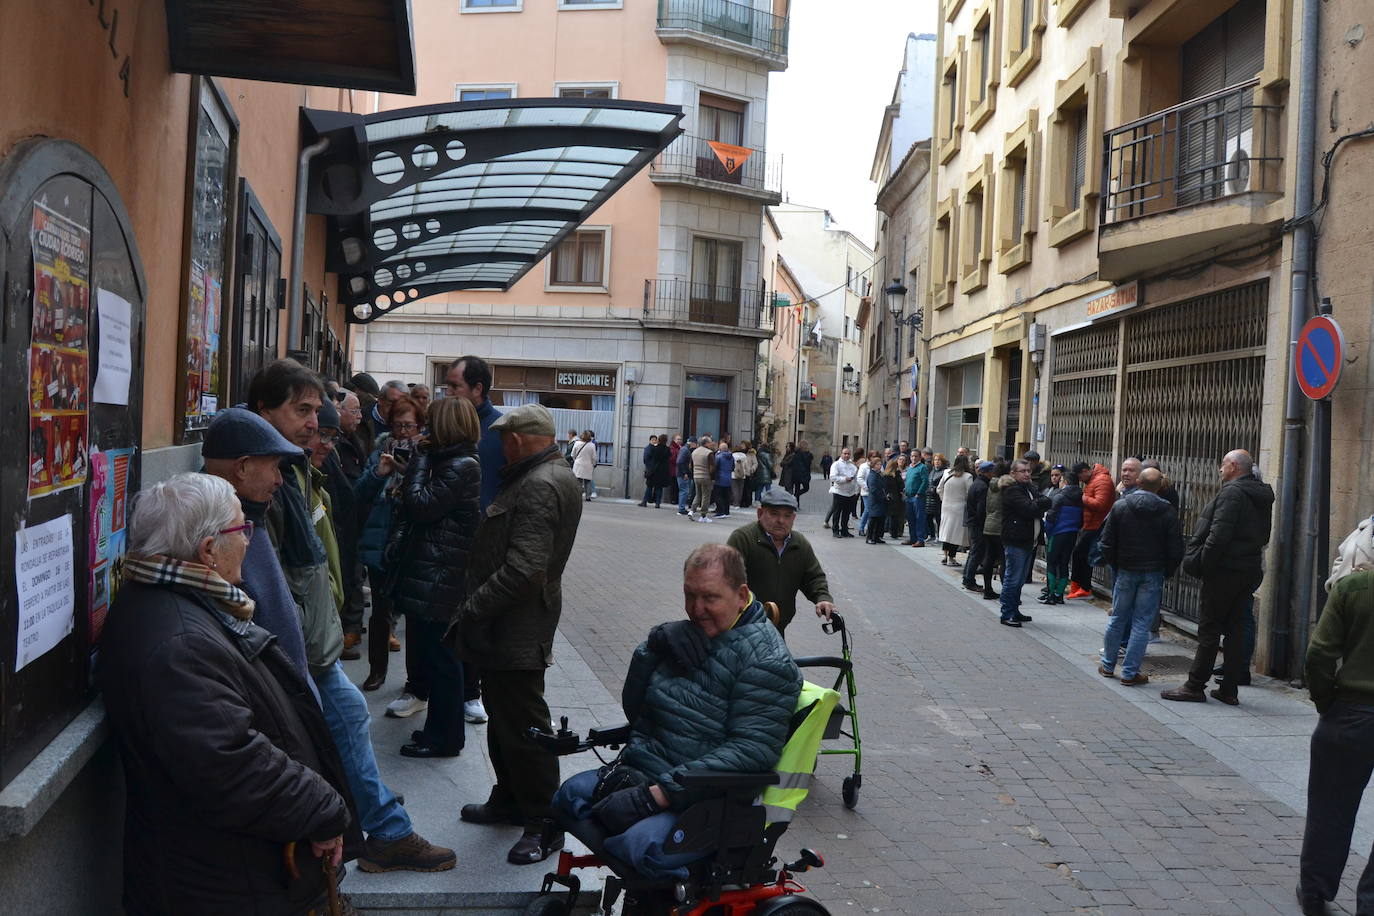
1233,529
976,504
801,469
1022,505
896,506
515,570
1142,534
378,502
932,496
763,474
732,713
345,518
992,517
657,465
684,461
778,578
489,453
1066,510
226,757
429,547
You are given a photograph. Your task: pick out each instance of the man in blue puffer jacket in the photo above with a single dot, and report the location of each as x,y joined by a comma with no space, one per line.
713,692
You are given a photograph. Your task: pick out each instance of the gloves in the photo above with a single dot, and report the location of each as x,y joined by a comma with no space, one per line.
616,776
621,810
683,642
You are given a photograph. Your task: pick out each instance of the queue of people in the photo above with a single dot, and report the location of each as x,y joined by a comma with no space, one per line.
251,772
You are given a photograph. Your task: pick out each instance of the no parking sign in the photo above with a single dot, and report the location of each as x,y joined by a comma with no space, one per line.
1318,357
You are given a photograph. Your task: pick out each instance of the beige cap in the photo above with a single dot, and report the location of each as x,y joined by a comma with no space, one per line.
529,420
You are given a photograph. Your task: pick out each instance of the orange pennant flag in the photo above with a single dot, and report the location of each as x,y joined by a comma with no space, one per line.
730,156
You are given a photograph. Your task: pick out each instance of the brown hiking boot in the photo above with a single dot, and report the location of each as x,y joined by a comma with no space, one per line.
409,853
1135,681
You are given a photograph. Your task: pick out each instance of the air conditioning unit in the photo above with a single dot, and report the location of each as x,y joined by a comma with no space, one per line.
1239,151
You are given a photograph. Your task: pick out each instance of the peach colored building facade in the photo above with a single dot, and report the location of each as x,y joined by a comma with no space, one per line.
662,298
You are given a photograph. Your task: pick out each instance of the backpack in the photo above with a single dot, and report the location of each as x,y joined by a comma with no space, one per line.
1355,554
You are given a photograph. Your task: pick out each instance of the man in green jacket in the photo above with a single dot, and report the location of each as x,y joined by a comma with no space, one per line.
780,562
1340,678
715,691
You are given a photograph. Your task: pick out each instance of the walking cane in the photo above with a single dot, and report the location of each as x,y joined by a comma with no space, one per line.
331,882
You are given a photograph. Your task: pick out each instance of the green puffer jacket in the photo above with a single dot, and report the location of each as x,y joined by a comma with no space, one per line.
730,714
992,527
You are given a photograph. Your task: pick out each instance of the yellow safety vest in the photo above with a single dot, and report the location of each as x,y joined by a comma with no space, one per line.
798,761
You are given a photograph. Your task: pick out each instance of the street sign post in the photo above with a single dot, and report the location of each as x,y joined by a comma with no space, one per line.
1318,356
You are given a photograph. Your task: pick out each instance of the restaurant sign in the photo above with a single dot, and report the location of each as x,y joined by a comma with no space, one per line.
572,380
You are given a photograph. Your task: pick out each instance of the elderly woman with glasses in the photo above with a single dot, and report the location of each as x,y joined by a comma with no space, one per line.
378,492
229,767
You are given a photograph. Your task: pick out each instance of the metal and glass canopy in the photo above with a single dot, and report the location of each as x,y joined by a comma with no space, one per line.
468,195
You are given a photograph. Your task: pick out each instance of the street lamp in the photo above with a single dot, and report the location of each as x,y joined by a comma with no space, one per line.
850,383
896,300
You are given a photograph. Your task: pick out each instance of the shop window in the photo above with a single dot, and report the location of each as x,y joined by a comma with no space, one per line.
1025,30
1075,154
74,305
1016,219
212,166
984,66
977,228
579,397
473,93
951,104
580,261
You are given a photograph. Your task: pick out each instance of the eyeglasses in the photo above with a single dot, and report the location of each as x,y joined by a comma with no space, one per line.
404,427
357,410
246,528
328,438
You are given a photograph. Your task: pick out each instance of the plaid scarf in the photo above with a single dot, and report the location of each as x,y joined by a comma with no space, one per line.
162,570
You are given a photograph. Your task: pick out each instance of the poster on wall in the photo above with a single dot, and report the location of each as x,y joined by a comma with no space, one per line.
108,537
43,574
202,346
59,361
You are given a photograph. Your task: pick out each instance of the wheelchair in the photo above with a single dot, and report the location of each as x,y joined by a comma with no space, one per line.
738,875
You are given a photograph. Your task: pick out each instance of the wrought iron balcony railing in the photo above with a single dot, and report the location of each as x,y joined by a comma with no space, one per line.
726,19
706,303
695,158
1207,148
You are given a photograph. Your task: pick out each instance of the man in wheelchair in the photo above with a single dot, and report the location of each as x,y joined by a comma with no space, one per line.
714,692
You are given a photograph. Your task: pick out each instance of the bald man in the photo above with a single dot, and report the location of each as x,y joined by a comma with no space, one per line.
1226,552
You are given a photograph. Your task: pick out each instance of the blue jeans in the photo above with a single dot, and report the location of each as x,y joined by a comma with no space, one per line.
1135,600
916,517
684,493
1016,561
345,712
641,845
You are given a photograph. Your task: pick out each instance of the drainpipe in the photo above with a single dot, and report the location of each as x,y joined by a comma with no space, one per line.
296,292
1296,579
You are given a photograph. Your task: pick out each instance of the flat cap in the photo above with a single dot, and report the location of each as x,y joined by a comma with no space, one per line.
529,419
986,465
778,497
361,381
239,433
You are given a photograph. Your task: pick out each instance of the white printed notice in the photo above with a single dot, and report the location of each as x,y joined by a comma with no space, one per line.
115,352
45,580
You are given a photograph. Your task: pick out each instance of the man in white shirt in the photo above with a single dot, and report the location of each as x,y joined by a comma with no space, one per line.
844,489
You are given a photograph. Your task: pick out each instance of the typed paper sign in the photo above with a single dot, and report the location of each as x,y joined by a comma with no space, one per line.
45,583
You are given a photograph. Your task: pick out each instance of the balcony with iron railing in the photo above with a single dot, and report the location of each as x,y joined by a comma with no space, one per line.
1204,174
725,25
695,162
707,306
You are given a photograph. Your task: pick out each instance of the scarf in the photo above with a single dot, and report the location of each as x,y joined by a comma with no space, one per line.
300,546
163,570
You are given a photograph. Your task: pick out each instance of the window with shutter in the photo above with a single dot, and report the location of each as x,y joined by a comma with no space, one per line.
1078,167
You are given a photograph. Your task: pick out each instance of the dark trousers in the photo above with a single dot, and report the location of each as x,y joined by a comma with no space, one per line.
721,496
993,553
526,775
1225,601
1082,575
472,683
841,509
1341,763
1059,554
444,674
379,627
653,493
352,614
973,564
895,523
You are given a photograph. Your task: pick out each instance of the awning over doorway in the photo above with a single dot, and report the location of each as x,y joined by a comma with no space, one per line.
469,195
352,44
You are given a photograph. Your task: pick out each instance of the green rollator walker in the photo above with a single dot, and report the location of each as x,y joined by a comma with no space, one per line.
835,728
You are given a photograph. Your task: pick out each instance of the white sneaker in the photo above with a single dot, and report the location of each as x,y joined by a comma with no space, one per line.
474,711
593,496
707,519
405,706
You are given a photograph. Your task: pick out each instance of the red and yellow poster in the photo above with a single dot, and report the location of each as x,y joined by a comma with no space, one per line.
59,361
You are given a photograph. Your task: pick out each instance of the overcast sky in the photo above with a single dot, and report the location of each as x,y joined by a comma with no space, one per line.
824,111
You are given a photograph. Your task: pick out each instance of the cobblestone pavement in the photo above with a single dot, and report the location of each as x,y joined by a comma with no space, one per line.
999,775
